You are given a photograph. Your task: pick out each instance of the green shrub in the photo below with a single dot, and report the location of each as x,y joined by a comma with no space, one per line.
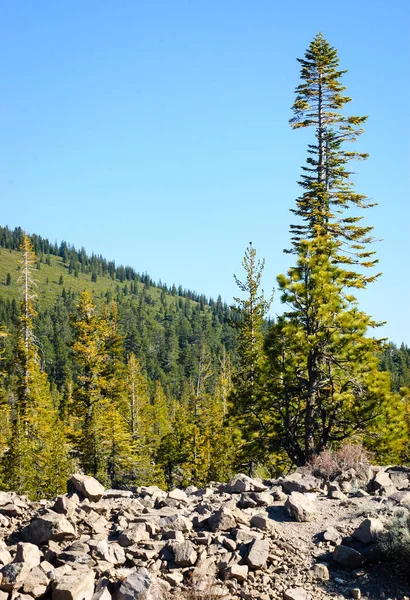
395,541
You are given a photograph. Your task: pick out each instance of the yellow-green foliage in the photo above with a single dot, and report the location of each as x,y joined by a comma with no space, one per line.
36,460
324,369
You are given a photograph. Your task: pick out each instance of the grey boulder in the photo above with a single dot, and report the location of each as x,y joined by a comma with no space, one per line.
87,486
301,506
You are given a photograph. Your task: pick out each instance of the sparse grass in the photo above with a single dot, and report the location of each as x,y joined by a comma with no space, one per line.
48,277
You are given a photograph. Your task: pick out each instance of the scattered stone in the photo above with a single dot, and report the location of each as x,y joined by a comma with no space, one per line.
242,483
258,554
147,544
301,506
348,557
36,583
49,526
176,523
101,591
140,585
65,506
262,498
361,494
87,486
222,520
28,553
5,498
368,531
301,483
238,572
11,510
355,593
184,554
335,492
333,536
174,578
4,521
74,586
135,534
380,481
5,556
117,494
321,572
279,496
179,495
178,536
296,594
402,498
112,553
13,576
261,521
400,477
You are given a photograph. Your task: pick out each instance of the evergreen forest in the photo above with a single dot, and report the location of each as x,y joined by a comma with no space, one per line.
137,382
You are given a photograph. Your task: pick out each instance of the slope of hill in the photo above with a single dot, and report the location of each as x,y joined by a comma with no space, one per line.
166,327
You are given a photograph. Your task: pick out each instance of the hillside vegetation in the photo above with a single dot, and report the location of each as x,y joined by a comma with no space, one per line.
165,327
139,383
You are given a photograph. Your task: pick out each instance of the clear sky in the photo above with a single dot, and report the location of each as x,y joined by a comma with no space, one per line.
156,132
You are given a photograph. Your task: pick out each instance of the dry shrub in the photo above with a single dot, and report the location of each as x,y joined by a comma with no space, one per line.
330,464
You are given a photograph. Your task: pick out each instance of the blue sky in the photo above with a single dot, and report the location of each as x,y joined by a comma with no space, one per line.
156,132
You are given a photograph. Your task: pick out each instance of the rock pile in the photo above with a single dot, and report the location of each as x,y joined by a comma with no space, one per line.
293,538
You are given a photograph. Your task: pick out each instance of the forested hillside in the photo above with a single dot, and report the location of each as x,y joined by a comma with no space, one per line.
165,327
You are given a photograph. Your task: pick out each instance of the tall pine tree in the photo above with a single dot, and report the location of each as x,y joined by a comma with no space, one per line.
328,191
324,379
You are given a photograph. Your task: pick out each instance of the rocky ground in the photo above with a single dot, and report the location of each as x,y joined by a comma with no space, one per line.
294,538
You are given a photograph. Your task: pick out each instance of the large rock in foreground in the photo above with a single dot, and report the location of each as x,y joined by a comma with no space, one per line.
74,586
140,586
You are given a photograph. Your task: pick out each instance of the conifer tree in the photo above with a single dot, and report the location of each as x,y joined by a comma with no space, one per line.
160,419
104,437
175,450
119,446
324,379
248,395
224,436
328,191
138,399
199,406
4,405
37,462
139,418
52,457
90,357
115,371
224,382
